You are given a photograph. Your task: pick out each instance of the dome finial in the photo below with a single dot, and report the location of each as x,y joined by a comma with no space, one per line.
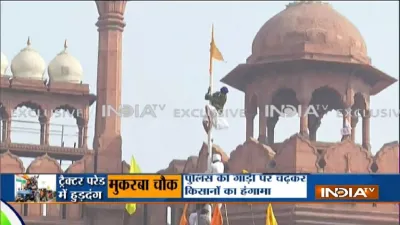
65,44
28,42
302,2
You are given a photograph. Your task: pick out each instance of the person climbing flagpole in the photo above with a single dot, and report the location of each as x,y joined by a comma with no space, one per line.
216,101
212,119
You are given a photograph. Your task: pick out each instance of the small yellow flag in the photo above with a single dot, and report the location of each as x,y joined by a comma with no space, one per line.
214,51
245,171
131,207
183,220
270,220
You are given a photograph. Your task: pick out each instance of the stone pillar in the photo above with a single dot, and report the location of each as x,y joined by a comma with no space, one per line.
314,122
82,132
354,121
346,118
47,132
348,101
304,95
85,135
2,129
271,123
107,140
366,130
262,125
304,119
44,130
250,125
80,135
6,132
7,125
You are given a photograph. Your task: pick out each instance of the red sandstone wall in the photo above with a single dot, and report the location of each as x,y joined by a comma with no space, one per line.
295,155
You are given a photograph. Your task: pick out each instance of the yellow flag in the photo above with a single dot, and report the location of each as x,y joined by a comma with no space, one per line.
131,207
183,220
214,51
245,171
271,220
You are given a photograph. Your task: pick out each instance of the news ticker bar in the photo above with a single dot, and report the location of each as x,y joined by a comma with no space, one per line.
91,188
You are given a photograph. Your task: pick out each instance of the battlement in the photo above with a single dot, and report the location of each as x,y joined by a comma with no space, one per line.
295,155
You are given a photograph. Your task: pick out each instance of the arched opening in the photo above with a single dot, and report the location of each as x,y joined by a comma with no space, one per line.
284,105
63,126
63,129
326,103
25,125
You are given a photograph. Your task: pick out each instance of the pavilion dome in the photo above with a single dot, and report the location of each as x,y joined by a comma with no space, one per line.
65,68
28,64
308,27
4,64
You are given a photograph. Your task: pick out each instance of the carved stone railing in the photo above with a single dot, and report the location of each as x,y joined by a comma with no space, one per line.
30,150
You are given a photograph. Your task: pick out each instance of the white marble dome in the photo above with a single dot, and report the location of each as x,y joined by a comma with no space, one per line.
28,64
65,68
4,64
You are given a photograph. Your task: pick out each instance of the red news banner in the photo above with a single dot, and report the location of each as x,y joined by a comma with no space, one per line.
347,192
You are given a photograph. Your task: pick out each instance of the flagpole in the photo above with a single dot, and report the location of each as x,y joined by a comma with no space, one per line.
226,214
210,125
252,214
209,140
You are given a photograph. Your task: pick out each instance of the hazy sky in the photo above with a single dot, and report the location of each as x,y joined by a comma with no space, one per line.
165,61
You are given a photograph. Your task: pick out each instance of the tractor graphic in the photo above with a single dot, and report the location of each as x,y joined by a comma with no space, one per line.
33,192
30,192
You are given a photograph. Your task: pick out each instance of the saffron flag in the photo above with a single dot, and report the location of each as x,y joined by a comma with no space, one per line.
214,51
183,220
245,171
217,216
131,207
271,220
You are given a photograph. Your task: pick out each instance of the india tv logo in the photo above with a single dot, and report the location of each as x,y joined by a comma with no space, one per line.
9,216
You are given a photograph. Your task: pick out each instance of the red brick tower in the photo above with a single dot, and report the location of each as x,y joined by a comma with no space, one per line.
107,140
